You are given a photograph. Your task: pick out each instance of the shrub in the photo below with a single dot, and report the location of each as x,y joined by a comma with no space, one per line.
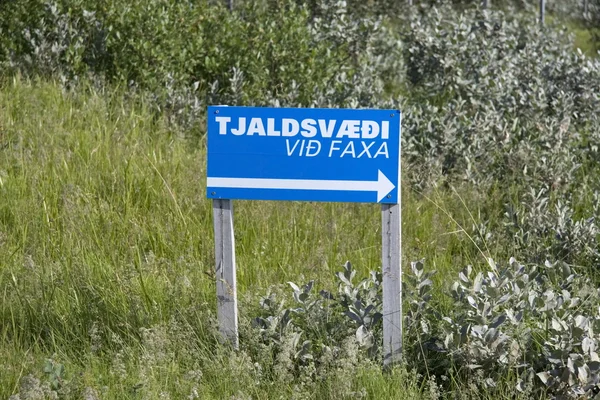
185,55
497,101
538,323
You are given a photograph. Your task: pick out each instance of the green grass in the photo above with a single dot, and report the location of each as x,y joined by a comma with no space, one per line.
106,253
584,39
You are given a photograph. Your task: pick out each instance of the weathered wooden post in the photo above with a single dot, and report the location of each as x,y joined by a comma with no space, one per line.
542,12
392,283
227,311
486,3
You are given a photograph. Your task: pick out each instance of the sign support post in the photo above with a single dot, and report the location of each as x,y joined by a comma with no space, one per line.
227,311
392,283
542,12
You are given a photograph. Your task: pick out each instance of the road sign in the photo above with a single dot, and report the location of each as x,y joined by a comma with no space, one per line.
305,154
313,155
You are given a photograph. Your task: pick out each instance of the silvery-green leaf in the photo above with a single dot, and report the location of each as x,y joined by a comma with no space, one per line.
424,286
544,377
364,337
515,350
556,325
489,382
478,330
519,316
498,321
308,287
417,268
485,310
531,298
574,302
555,361
425,327
472,301
594,366
583,374
493,279
510,314
343,278
448,340
353,316
571,365
294,286
586,344
581,322
491,335
477,283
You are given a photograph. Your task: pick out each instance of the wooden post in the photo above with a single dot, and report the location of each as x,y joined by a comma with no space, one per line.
585,8
227,312
392,283
486,3
542,11
230,5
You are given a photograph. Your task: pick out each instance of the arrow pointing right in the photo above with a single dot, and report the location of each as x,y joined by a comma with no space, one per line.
382,185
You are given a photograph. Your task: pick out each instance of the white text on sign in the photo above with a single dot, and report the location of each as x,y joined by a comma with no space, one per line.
309,128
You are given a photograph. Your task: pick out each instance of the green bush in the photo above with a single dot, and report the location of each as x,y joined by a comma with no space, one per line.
187,54
535,324
497,101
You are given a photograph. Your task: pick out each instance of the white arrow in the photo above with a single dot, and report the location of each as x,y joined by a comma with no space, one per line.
382,185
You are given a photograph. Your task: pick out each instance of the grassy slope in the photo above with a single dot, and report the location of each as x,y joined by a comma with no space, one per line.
106,253
584,39
583,34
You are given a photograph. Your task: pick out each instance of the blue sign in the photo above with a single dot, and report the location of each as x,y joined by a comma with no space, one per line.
306,154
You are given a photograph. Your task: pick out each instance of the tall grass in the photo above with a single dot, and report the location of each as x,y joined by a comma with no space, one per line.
106,255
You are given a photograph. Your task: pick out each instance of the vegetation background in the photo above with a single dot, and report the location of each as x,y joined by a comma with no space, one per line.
106,248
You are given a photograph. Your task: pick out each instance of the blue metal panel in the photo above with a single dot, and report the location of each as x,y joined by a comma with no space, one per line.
306,154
